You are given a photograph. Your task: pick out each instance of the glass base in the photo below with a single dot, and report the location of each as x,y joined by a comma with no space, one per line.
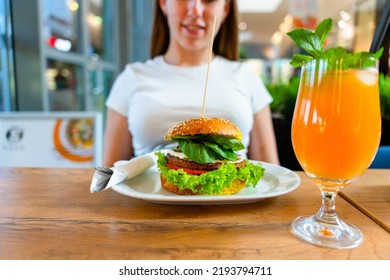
341,235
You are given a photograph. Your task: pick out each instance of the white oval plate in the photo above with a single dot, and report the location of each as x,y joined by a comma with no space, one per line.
276,181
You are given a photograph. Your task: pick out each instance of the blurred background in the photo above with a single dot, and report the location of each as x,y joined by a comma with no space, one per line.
63,55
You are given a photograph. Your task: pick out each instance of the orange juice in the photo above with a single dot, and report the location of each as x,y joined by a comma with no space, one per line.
337,122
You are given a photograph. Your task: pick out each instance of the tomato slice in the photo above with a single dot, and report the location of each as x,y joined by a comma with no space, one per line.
189,171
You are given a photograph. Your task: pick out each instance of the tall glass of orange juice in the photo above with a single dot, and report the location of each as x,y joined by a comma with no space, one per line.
336,132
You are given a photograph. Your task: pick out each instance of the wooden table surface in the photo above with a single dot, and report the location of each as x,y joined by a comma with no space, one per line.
372,196
50,214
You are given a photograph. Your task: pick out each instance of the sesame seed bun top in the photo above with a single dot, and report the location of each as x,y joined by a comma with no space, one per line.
199,126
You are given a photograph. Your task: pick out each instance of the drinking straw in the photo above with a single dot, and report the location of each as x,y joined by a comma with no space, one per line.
365,211
382,29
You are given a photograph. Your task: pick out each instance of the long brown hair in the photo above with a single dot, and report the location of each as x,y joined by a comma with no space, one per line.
225,43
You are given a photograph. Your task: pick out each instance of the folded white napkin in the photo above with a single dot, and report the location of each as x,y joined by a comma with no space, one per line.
122,170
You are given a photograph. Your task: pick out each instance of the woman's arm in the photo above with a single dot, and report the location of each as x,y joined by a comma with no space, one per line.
118,139
262,139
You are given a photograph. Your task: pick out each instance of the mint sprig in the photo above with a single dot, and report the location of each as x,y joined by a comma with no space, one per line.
313,44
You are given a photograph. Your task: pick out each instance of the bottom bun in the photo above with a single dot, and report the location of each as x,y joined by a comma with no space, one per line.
236,186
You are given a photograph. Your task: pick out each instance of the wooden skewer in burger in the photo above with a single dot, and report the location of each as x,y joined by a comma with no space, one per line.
205,161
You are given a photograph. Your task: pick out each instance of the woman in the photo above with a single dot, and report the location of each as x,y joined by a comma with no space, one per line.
148,98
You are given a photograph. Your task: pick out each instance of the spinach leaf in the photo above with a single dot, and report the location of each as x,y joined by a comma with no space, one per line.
208,148
197,151
225,142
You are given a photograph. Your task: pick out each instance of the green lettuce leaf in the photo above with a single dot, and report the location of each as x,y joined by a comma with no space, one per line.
212,182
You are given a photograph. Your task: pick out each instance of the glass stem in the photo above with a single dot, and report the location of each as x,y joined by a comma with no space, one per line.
327,213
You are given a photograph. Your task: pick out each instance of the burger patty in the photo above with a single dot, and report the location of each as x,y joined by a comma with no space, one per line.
188,164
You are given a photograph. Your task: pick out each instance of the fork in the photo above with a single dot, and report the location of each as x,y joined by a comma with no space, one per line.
123,170
102,177
105,170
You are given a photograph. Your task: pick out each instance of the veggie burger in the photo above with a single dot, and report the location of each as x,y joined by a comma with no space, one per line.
205,161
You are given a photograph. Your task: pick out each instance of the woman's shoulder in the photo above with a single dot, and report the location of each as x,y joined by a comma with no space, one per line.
141,66
235,66
240,64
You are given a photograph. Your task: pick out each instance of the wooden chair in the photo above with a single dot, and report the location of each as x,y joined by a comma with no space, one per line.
382,158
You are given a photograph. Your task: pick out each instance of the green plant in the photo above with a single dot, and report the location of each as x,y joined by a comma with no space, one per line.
384,90
284,95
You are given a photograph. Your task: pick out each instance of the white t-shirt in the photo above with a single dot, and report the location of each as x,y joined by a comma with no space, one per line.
155,96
